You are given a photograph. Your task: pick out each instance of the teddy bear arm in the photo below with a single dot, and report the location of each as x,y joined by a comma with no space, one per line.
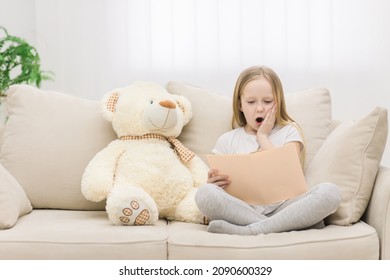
98,177
198,171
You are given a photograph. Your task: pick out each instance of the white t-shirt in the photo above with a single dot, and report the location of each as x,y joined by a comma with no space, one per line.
237,141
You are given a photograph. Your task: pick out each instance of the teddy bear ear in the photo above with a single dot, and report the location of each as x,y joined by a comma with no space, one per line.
185,106
109,102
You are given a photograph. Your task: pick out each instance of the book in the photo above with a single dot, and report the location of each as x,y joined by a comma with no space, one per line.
263,177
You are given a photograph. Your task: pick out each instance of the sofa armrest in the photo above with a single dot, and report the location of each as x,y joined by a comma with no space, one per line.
378,210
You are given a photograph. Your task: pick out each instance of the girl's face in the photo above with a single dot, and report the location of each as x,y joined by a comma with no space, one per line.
257,99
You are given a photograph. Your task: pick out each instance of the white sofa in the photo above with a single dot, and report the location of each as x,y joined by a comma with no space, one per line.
50,137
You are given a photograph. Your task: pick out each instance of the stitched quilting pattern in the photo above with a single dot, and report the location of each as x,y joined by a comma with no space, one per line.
111,103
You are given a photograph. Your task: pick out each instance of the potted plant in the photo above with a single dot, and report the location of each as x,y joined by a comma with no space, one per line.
19,63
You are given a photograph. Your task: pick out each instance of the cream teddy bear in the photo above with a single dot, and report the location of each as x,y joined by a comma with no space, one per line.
146,173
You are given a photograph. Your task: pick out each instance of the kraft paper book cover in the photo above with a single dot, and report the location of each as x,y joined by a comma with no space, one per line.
263,177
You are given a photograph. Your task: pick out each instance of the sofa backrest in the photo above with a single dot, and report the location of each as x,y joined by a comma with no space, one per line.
48,140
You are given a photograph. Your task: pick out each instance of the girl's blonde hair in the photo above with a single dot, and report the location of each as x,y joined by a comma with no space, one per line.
254,73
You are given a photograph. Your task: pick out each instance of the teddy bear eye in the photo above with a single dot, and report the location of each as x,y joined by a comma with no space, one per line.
151,101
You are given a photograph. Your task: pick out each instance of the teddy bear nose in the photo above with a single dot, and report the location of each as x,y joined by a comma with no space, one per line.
167,104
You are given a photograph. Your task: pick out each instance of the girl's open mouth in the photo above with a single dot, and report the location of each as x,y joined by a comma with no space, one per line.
259,120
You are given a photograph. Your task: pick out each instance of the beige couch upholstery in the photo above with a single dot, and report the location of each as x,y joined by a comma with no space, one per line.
50,137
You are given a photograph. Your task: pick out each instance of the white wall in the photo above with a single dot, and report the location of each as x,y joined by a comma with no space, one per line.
18,17
96,45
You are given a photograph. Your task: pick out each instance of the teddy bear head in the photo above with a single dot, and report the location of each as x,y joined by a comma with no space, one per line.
146,107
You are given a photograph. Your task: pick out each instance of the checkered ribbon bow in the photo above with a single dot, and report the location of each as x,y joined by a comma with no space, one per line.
184,154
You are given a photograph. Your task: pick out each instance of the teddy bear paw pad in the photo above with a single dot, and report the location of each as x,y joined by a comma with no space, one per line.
142,218
134,210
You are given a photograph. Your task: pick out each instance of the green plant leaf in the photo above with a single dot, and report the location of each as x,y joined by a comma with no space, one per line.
19,63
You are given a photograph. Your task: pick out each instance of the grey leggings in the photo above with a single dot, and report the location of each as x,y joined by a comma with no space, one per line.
238,217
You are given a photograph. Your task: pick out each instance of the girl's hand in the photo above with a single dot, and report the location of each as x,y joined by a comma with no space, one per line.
268,123
220,180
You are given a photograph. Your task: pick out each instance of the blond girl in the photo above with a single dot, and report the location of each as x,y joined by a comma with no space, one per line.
262,122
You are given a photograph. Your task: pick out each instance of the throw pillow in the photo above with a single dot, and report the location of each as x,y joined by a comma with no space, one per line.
312,110
350,158
13,200
47,142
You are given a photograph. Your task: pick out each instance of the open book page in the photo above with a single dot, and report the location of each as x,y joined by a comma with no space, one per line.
264,177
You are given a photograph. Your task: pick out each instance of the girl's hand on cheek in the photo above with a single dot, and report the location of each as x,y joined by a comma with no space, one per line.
268,122
218,179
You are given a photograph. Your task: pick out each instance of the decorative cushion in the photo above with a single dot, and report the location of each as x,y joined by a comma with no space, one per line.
312,110
350,158
212,116
48,141
13,200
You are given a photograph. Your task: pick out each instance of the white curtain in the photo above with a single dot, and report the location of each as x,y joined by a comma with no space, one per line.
95,45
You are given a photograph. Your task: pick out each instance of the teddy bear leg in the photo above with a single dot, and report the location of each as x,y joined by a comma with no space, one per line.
188,211
131,206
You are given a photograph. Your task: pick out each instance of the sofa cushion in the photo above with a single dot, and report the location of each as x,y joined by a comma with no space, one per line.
48,140
212,116
192,241
88,235
350,158
13,200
